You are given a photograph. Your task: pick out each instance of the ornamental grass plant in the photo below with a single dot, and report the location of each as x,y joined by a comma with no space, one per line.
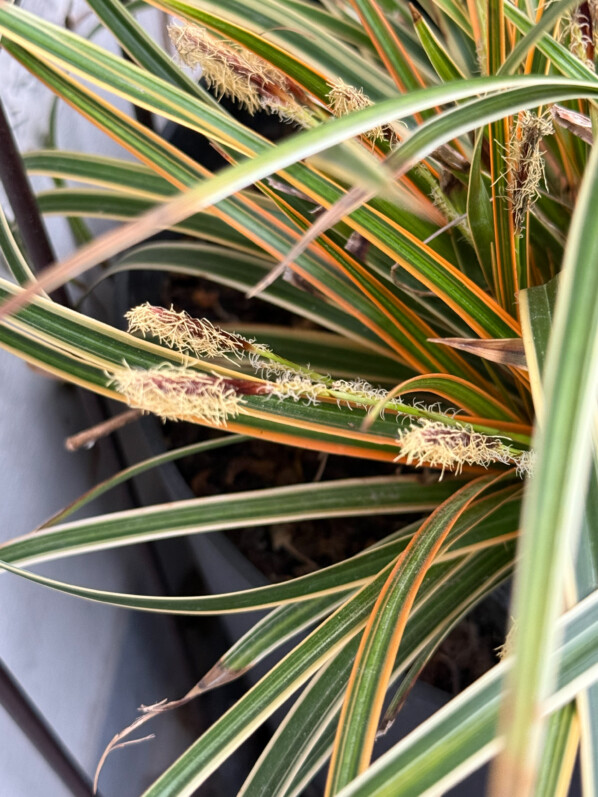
433,210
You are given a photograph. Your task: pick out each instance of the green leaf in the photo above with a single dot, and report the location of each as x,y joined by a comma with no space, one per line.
141,47
381,639
136,470
304,739
479,213
15,260
560,58
553,509
537,310
462,736
389,46
560,752
326,499
537,307
439,56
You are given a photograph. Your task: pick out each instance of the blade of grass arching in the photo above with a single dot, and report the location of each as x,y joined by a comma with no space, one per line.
241,271
227,733
99,170
553,509
194,766
463,735
459,392
136,470
118,175
537,307
480,528
16,262
371,672
267,635
281,624
444,279
270,232
190,199
380,495
104,204
334,582
273,689
239,722
558,762
304,739
69,45
317,135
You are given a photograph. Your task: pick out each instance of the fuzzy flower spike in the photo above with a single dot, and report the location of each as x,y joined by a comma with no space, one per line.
179,394
235,72
344,98
179,330
451,447
526,164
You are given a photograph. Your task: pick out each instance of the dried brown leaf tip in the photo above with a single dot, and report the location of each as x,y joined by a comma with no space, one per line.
189,335
577,123
181,394
525,164
452,447
235,72
506,351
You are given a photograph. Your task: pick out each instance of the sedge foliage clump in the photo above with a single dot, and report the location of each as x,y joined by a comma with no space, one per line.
428,222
